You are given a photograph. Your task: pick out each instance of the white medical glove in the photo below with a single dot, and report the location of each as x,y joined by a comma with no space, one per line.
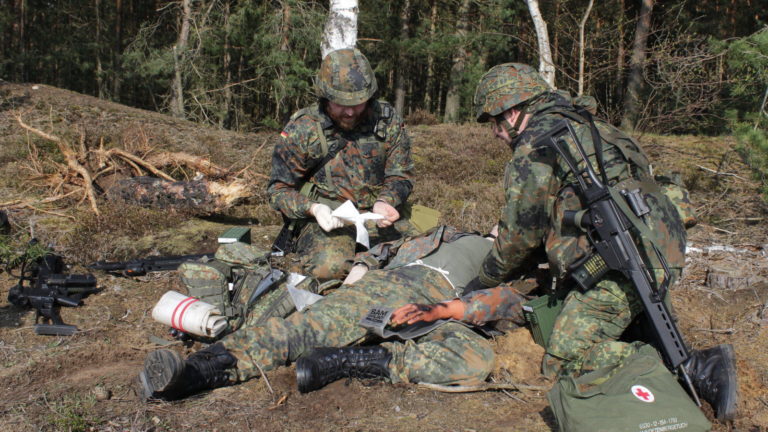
322,214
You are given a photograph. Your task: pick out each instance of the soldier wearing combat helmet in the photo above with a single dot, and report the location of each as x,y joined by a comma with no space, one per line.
347,146
522,107
538,182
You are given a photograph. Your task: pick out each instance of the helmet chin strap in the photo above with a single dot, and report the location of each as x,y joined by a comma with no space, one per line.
514,130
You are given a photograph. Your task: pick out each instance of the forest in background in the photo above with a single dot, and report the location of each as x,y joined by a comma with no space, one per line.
247,65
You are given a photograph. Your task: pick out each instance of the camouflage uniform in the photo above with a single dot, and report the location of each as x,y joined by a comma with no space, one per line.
450,354
539,189
373,164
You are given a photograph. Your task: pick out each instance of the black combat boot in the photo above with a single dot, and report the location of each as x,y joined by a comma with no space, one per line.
323,366
167,376
713,373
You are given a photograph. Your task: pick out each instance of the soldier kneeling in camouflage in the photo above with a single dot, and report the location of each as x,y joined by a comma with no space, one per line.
542,190
424,270
347,146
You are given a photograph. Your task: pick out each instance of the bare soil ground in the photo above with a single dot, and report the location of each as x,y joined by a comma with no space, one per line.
84,382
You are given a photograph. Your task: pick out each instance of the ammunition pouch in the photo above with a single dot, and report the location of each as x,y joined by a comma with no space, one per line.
228,280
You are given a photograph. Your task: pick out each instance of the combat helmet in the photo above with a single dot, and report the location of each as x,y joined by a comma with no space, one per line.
505,86
346,78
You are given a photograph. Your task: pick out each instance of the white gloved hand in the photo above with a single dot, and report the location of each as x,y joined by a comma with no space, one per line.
322,214
357,272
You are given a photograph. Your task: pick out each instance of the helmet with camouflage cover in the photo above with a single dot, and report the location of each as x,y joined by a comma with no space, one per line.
505,86
346,78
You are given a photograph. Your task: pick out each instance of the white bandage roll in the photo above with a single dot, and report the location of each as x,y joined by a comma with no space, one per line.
189,315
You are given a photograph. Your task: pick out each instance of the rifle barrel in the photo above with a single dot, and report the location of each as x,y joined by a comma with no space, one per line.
142,266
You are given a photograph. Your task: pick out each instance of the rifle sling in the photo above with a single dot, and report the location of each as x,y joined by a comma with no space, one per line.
616,196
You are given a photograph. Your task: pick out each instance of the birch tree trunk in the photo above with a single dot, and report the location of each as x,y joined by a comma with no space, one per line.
581,46
453,97
179,50
636,65
546,65
400,69
341,28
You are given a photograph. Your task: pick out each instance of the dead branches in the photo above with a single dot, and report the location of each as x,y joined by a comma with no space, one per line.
89,172
72,162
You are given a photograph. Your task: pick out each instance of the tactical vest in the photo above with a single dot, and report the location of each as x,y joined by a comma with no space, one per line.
317,187
626,168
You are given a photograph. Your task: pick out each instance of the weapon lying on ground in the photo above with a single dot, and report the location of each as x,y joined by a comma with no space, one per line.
140,267
47,289
608,219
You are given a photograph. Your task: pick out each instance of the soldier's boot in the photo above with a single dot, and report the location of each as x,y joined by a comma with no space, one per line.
713,373
325,365
167,376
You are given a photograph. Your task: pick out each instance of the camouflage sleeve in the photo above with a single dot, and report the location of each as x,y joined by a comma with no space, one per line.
399,166
530,191
290,163
491,304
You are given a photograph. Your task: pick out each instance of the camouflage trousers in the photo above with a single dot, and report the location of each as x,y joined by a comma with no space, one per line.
329,255
451,354
586,332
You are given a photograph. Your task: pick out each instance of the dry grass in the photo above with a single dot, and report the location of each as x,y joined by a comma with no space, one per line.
459,168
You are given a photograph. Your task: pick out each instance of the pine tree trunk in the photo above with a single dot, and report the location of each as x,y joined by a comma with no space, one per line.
429,87
226,119
179,51
546,65
20,32
118,50
620,54
285,28
99,71
636,65
452,98
401,69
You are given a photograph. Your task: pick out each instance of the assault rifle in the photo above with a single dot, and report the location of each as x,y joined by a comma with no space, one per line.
607,221
140,267
47,289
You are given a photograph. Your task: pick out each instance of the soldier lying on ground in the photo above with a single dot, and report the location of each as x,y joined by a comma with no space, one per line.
426,269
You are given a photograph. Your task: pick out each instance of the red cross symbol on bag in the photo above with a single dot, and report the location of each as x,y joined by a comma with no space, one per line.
642,393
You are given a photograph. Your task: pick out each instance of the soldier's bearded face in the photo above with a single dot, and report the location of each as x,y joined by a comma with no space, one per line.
346,117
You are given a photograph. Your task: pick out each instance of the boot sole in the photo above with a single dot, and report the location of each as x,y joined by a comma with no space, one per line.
728,411
162,369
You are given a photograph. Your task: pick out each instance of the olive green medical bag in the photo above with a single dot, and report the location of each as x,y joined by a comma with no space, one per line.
640,395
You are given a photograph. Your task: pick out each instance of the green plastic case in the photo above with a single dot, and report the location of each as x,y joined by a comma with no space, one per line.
541,314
